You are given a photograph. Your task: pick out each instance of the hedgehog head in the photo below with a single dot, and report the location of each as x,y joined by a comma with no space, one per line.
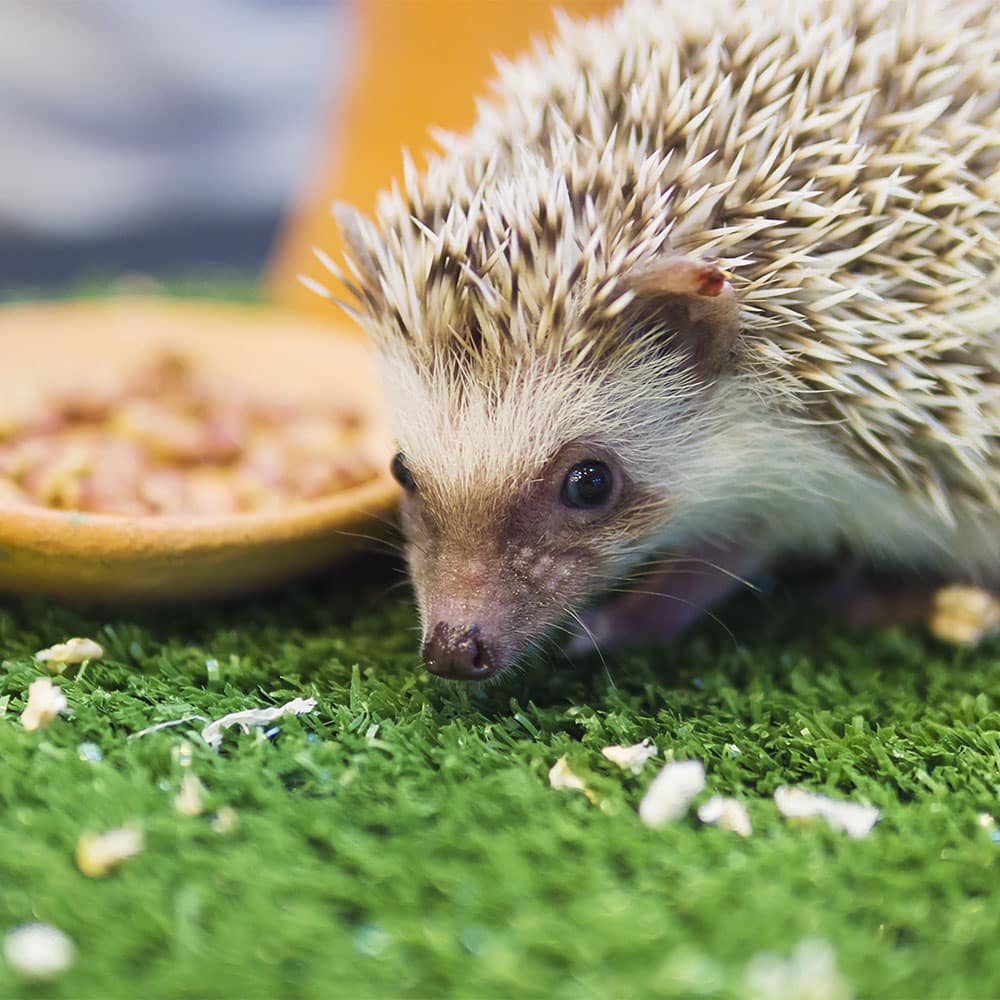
531,366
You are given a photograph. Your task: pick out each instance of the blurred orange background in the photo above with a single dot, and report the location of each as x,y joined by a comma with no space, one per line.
419,64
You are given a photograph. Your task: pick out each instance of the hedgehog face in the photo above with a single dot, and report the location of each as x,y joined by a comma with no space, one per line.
494,569
543,399
533,481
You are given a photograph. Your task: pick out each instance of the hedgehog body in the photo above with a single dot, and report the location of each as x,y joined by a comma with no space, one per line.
744,259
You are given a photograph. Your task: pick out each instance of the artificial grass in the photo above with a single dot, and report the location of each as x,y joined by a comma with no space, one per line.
402,840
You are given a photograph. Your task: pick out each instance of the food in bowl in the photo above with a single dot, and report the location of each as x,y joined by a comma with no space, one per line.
170,440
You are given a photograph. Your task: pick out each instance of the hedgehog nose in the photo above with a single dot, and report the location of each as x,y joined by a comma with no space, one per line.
458,652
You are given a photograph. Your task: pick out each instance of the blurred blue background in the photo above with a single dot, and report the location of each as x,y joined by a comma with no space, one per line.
159,136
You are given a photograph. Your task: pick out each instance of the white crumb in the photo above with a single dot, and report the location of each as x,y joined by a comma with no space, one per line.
38,951
810,973
169,724
225,820
633,758
45,702
188,801
76,650
672,792
98,853
850,817
729,814
560,776
212,733
964,615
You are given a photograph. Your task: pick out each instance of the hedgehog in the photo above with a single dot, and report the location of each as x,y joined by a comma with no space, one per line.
706,285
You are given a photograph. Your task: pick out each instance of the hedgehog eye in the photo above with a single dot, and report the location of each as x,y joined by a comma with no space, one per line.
588,484
401,472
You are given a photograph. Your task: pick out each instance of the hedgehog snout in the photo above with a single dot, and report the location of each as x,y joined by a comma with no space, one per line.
458,652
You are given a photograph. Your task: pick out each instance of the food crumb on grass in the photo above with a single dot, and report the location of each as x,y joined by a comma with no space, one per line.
189,800
631,758
245,719
726,813
809,973
225,820
72,651
672,791
249,718
38,951
852,818
562,776
46,702
98,853
964,616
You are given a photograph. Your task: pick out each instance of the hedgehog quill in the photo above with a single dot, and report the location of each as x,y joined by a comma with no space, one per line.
713,284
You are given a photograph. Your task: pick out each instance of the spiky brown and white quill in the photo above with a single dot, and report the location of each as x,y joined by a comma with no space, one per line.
536,287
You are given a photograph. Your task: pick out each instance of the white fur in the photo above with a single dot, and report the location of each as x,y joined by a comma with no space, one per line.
734,466
773,482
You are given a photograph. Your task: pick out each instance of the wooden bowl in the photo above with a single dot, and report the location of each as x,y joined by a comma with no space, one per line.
271,353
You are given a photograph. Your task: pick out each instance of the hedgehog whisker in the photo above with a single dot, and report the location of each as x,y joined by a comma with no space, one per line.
700,608
597,646
392,588
654,565
390,523
395,548
704,565
396,530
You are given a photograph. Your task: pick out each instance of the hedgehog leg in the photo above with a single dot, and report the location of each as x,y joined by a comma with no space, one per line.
862,599
662,605
954,611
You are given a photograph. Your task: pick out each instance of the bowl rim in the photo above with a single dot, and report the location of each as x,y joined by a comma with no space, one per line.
79,532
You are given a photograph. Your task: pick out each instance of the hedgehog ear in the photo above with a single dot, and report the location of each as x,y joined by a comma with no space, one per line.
698,304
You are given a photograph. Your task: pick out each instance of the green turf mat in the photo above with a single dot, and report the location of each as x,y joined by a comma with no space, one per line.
402,840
